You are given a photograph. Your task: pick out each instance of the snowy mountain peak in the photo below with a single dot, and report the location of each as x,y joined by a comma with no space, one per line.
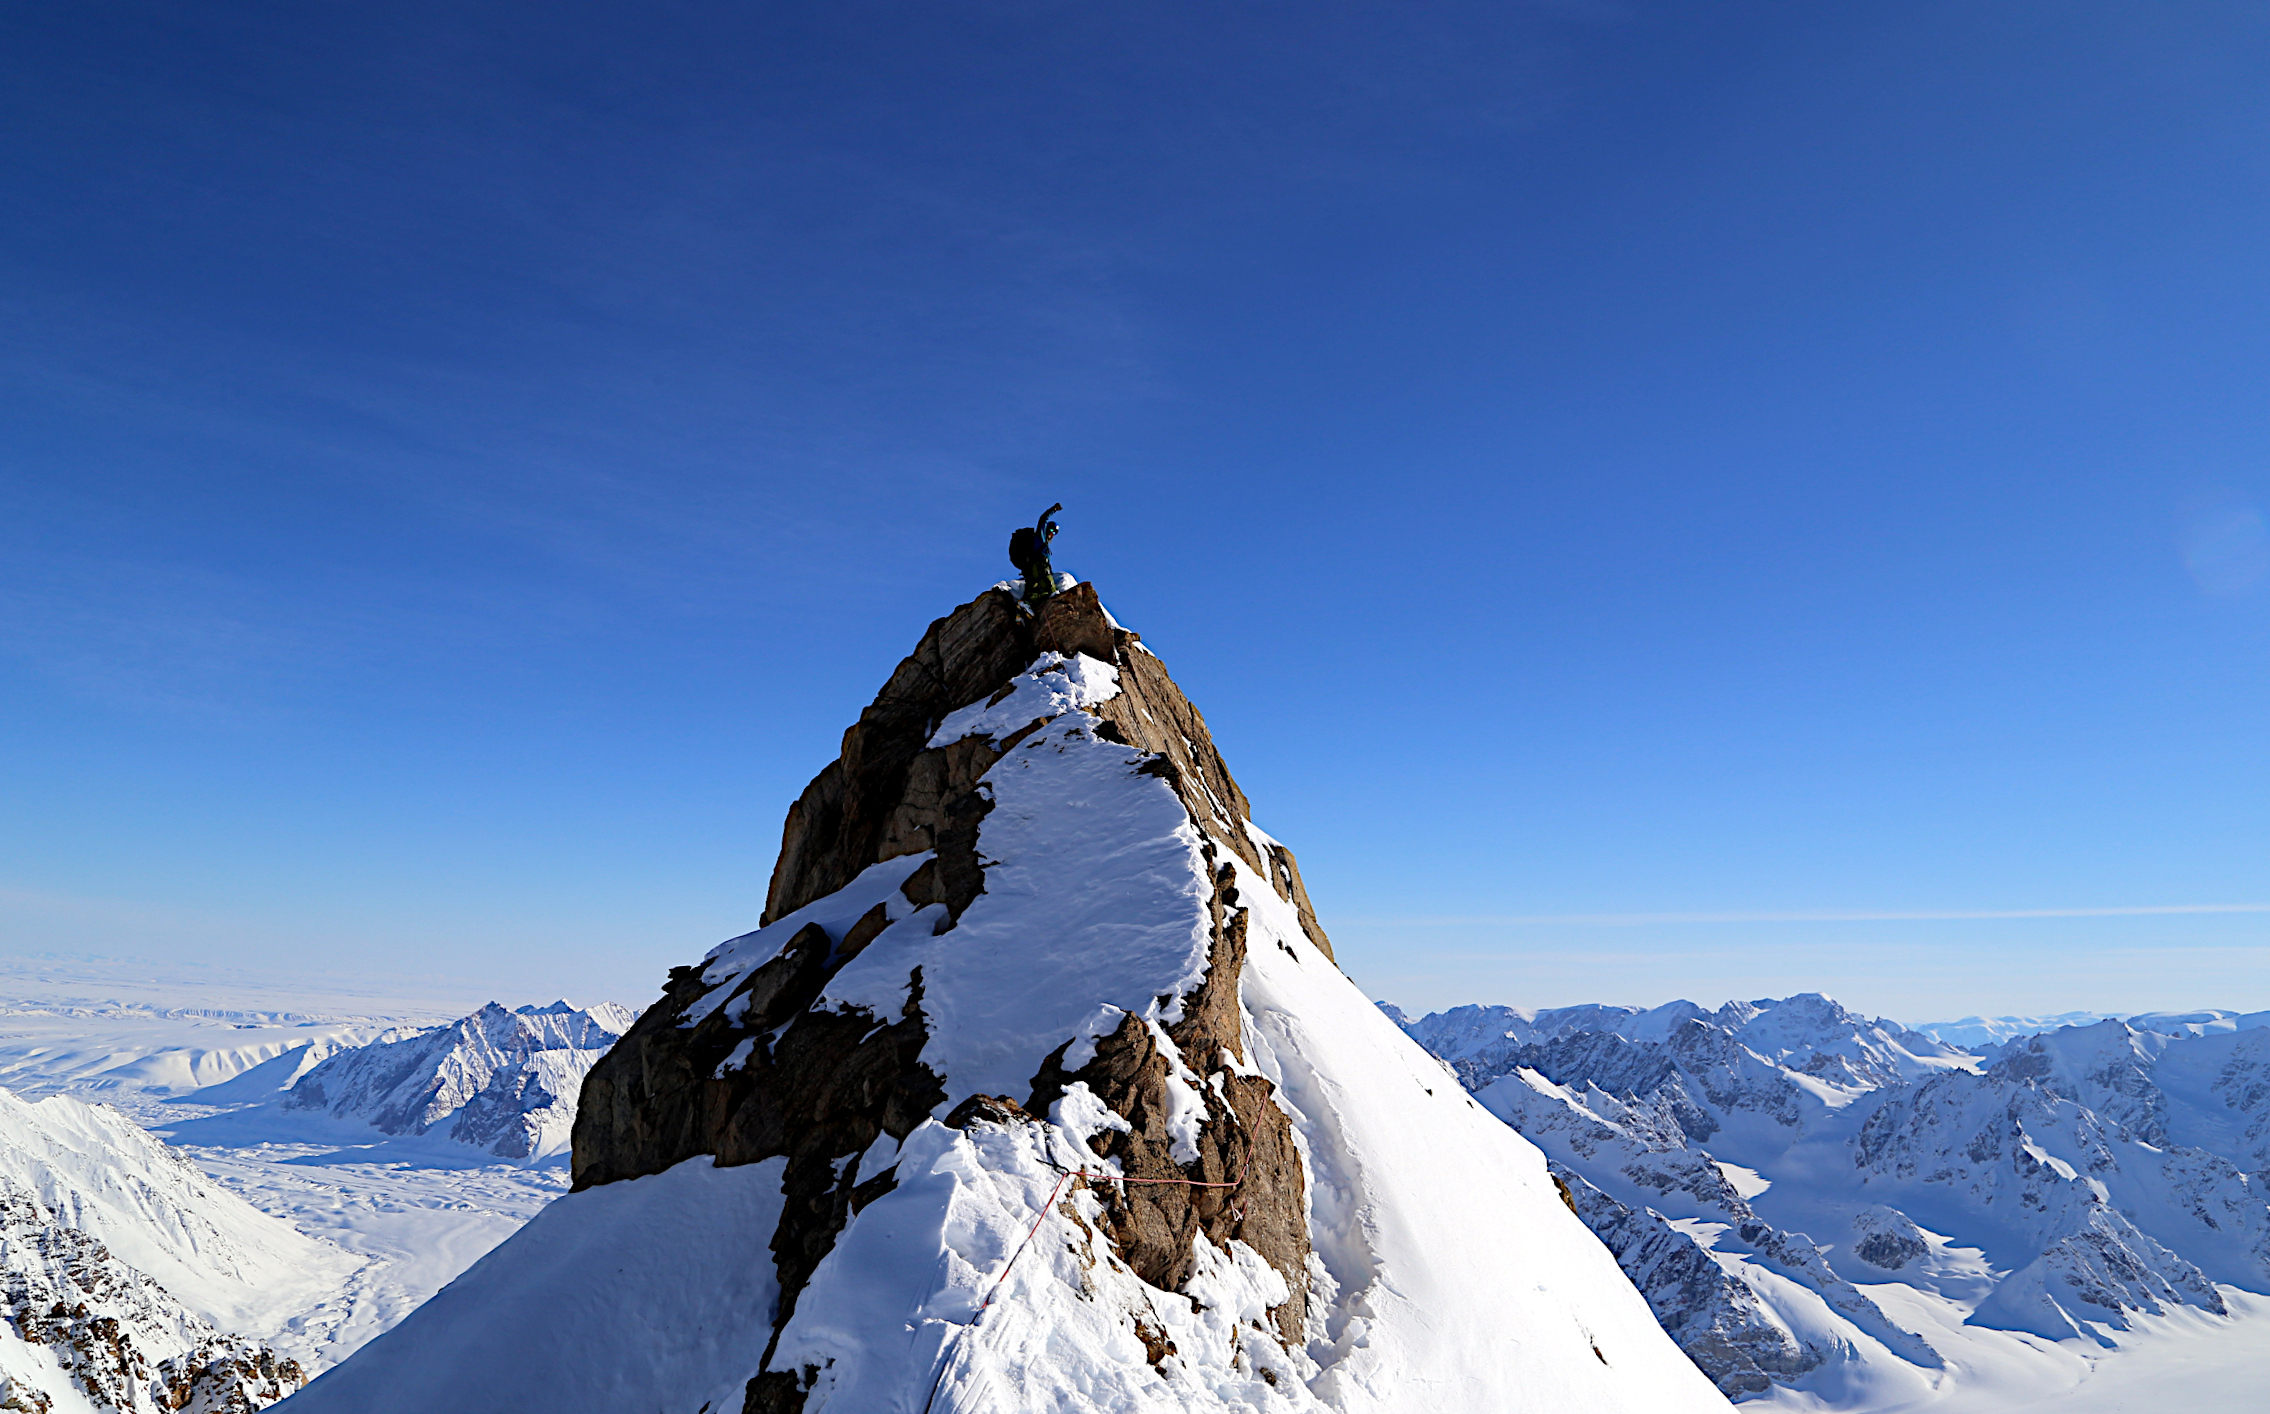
1813,1034
503,1081
1040,1089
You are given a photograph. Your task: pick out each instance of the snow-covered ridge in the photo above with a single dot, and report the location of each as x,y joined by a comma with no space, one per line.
503,1081
100,1223
1051,687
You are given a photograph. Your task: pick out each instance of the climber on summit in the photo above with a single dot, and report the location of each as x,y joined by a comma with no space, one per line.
1028,551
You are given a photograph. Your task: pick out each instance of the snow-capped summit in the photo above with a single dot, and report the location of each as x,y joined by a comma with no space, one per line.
2106,1066
1037,1089
503,1081
1816,1036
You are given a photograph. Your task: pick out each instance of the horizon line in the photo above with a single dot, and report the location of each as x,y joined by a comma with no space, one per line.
1816,916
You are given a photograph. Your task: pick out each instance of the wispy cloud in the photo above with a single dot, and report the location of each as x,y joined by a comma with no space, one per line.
1934,915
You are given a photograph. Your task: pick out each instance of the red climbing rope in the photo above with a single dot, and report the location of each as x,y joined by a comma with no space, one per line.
1038,1218
945,1358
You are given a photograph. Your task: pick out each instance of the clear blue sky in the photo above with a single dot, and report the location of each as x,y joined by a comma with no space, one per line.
1627,483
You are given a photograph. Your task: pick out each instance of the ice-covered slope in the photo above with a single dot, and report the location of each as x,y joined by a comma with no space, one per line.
1023,943
503,1081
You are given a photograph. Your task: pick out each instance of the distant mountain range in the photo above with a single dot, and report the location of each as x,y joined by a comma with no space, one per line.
1976,1032
1756,1166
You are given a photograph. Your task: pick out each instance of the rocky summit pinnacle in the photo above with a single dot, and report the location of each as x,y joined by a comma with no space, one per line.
1038,1088
773,1068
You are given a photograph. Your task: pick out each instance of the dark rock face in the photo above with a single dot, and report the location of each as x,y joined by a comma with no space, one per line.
1889,1250
765,1075
872,802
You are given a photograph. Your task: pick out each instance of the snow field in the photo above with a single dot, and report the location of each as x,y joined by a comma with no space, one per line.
648,1294
308,1233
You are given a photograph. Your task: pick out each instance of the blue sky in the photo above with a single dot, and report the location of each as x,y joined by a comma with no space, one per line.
1654,500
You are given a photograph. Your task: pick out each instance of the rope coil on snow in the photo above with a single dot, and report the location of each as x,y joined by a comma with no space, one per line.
945,1360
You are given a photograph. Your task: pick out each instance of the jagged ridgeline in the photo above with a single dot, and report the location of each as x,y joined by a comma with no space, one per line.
1037,1089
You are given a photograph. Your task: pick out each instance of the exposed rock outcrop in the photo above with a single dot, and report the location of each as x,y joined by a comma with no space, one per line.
756,1065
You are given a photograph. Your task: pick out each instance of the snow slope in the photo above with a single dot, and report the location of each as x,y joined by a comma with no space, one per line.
1463,1282
102,1174
1447,1273
127,1272
630,1296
